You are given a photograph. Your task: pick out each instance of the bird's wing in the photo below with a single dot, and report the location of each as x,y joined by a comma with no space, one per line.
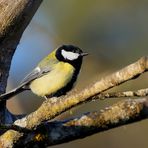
36,73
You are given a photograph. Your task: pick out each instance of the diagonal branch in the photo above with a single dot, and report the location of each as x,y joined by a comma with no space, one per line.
55,106
121,113
102,96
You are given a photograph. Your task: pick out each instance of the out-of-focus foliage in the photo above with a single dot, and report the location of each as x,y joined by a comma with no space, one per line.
115,34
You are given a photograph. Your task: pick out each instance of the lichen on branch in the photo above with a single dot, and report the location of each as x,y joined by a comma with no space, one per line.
54,106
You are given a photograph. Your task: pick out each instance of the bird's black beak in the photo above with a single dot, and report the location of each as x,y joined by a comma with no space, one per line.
84,54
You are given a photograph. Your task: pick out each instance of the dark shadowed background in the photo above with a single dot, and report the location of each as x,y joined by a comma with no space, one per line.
114,32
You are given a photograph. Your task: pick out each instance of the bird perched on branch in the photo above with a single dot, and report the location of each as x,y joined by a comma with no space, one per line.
54,75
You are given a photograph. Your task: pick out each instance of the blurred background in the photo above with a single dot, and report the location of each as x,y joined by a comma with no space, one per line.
114,32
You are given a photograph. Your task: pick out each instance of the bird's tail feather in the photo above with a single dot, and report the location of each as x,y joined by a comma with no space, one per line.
11,93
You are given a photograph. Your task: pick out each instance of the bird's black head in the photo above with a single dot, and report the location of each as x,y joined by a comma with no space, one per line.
70,54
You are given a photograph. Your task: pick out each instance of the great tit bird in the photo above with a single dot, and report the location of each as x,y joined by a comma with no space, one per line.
54,75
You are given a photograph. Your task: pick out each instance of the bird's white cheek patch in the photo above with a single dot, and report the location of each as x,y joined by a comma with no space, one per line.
37,69
69,55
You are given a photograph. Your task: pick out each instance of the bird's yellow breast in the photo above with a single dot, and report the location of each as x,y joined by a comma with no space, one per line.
54,80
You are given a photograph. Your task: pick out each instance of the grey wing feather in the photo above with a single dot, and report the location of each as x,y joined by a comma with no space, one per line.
36,73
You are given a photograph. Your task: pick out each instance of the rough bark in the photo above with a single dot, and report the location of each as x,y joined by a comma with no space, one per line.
121,113
55,106
14,17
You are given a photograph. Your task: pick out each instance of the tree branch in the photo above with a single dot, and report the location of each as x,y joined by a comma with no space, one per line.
53,133
55,106
137,93
121,113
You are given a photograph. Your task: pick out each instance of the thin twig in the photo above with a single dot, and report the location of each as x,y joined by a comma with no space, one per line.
137,93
